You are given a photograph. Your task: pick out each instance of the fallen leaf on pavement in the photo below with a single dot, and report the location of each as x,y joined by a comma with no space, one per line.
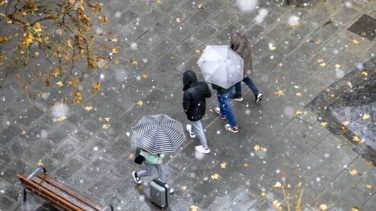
353,172
324,124
299,94
107,119
368,186
349,84
278,93
87,108
62,118
140,103
40,163
215,176
193,208
369,164
183,188
338,66
364,73
60,83
323,207
365,116
277,185
355,42
256,147
298,112
357,139
223,165
105,126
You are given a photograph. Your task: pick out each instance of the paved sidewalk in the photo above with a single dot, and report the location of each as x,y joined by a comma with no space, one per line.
305,60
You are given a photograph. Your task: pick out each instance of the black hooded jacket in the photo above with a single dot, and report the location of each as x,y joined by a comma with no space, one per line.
195,92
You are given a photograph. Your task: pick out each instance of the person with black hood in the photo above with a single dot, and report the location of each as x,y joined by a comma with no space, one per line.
194,104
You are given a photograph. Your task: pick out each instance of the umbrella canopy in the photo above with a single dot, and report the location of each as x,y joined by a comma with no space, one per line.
158,134
221,66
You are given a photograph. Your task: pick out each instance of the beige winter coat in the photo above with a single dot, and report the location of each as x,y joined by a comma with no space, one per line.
239,43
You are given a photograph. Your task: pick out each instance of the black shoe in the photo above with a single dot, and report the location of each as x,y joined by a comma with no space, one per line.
258,98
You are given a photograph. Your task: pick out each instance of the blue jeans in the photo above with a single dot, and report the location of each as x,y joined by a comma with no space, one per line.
225,108
199,131
248,81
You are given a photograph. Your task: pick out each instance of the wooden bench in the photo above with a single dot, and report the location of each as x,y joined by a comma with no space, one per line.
59,195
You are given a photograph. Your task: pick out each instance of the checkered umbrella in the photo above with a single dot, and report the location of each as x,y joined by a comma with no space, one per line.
158,134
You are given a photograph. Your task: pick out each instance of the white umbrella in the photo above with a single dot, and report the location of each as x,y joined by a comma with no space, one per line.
221,66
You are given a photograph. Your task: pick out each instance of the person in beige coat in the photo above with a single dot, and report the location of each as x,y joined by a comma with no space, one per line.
239,43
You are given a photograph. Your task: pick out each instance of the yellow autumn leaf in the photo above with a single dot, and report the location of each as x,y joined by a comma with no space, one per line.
338,66
355,42
276,204
36,54
353,172
178,20
215,176
368,186
345,123
256,147
105,126
365,116
198,51
200,5
298,94
272,48
278,93
318,42
37,27
144,76
60,83
364,73
107,119
332,95
264,195
114,40
87,108
298,112
40,163
357,139
69,43
134,63
193,208
323,207
96,85
319,60
115,50
369,164
324,124
286,42
277,185
264,149
23,132
62,118
183,188
354,209
140,103
116,61
322,64
223,165
245,165
364,33
349,84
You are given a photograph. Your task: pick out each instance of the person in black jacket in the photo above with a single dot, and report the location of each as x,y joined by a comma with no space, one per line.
194,104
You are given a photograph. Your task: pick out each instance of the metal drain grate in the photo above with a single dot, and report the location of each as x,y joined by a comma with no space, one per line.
365,26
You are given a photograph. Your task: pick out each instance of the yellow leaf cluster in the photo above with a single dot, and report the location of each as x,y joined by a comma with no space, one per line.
60,83
62,118
355,42
144,76
298,94
105,126
77,97
349,84
279,93
28,38
277,205
40,163
323,207
183,188
96,86
107,119
364,73
87,108
277,185
215,176
324,124
140,103
193,208
353,172
4,39
357,139
74,83
365,116
298,112
200,5
369,164
223,165
368,186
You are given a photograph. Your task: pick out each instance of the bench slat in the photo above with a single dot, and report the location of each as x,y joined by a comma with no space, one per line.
68,190
47,195
58,194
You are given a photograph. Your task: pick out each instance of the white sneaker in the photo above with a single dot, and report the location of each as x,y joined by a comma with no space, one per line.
201,149
189,129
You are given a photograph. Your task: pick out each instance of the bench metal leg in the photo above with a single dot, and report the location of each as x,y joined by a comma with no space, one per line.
106,207
29,177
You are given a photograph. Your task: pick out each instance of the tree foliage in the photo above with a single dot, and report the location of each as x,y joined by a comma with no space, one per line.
54,40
